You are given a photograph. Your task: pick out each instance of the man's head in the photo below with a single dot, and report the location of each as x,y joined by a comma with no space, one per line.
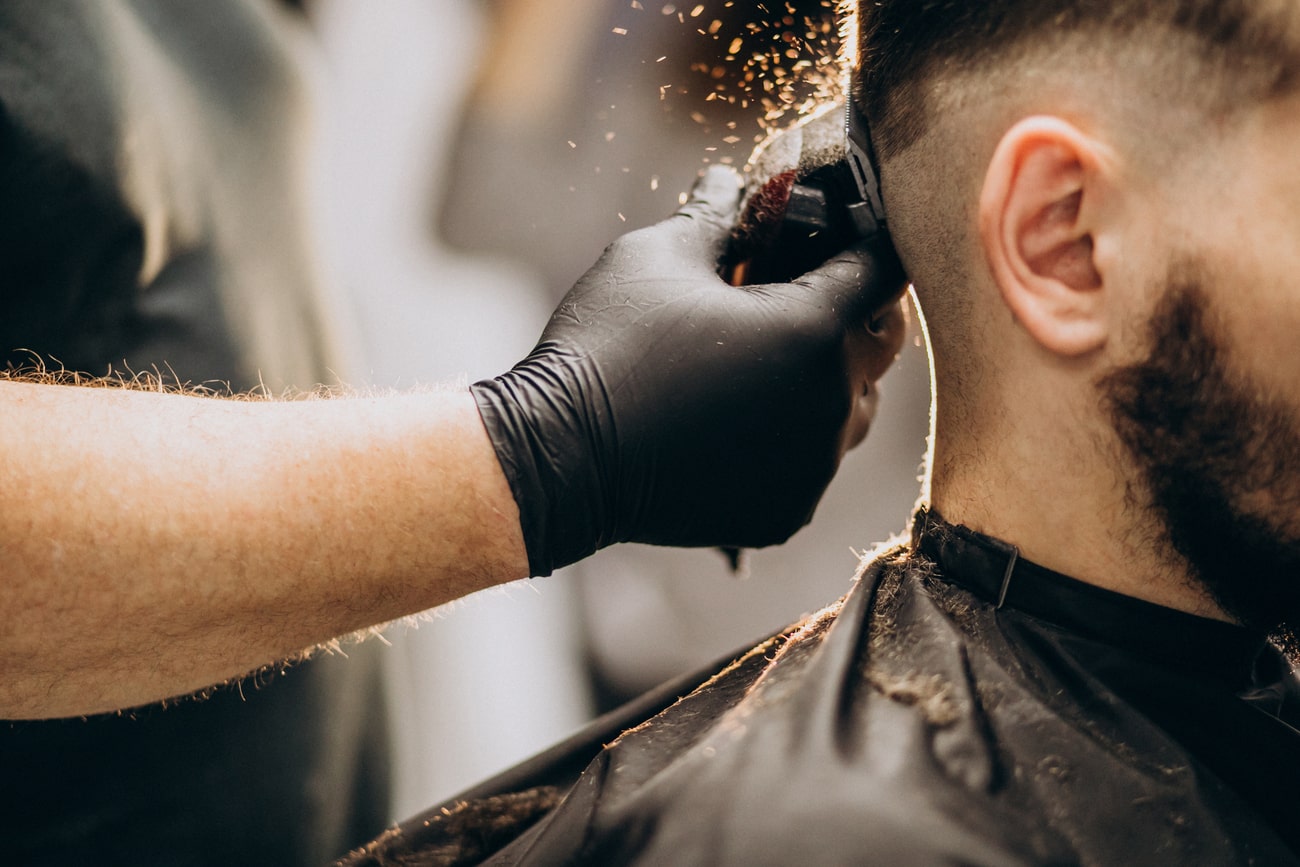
1099,204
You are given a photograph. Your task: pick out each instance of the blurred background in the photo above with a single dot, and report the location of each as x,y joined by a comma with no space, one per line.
475,157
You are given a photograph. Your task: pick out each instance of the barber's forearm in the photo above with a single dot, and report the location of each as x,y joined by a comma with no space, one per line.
154,544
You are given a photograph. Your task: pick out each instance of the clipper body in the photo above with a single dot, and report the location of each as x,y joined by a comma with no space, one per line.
811,191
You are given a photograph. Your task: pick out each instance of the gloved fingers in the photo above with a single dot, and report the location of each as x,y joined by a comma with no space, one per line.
858,280
875,346
862,413
871,350
715,197
704,224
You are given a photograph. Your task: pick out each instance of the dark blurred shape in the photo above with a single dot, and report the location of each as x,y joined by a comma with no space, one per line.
151,215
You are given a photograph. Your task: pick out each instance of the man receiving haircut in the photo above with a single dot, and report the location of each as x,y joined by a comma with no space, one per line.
1074,660
1097,204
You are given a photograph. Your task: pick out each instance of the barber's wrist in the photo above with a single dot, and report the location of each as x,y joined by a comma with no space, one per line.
539,430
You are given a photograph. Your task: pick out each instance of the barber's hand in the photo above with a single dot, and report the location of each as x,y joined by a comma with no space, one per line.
664,406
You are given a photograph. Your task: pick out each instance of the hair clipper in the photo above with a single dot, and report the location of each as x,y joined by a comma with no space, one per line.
811,190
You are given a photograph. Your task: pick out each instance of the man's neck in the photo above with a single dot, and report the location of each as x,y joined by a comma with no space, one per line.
1071,513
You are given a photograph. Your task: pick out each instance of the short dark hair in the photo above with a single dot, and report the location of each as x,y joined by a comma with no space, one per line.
901,42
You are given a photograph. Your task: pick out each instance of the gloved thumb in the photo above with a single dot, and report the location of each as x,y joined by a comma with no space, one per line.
859,280
707,218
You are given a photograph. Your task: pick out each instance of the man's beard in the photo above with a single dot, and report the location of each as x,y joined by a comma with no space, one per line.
1220,462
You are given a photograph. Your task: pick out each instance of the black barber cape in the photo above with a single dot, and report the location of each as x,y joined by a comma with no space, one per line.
916,722
153,215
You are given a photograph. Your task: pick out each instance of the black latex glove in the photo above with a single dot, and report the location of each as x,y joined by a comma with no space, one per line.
664,406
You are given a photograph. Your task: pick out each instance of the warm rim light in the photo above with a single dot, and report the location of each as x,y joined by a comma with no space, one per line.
848,15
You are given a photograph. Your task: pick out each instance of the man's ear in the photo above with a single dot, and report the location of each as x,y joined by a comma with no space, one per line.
1036,216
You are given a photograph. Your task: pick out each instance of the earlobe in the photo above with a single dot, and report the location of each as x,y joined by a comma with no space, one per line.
1037,234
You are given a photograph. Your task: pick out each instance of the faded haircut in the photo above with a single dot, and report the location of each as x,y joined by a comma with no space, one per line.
1249,47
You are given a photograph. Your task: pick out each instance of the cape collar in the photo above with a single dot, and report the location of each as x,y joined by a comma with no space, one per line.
995,571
